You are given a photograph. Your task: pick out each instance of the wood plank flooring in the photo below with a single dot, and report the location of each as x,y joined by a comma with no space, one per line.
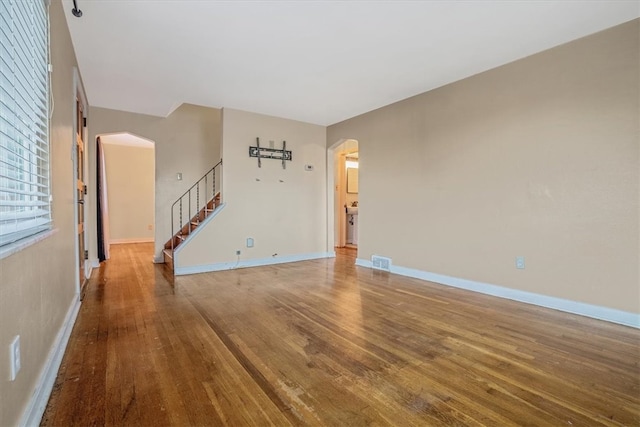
324,342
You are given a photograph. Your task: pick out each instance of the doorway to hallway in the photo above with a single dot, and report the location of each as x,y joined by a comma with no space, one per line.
344,209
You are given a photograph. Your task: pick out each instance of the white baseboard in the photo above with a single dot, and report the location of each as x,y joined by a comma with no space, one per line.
575,307
95,263
131,240
38,403
181,271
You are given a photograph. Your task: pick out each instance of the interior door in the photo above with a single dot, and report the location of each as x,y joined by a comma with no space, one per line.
80,190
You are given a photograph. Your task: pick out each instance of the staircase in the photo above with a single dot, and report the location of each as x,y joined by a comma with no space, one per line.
192,209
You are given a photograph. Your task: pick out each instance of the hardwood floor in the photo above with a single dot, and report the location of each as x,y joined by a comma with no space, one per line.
326,343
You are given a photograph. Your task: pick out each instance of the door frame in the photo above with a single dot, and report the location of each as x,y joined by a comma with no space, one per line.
336,181
80,97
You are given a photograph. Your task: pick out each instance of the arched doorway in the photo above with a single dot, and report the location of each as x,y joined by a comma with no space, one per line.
126,196
342,164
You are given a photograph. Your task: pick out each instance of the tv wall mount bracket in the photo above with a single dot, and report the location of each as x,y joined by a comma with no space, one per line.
270,153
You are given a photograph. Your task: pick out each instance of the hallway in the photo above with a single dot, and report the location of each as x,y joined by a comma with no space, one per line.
326,343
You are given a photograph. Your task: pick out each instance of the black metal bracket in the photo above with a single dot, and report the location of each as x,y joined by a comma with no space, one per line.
271,153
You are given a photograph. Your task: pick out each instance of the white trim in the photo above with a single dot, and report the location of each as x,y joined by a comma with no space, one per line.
40,396
94,263
364,263
331,194
569,306
195,269
131,240
12,248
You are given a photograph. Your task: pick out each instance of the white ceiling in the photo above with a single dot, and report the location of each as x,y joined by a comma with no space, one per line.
315,61
126,139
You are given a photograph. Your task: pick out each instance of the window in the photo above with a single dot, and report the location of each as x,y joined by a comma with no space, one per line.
24,122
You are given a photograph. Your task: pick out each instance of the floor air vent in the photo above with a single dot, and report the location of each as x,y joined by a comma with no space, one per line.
381,263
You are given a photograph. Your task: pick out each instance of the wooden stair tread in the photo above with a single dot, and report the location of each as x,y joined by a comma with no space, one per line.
188,227
168,252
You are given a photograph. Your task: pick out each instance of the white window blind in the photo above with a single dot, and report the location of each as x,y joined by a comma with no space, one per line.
24,121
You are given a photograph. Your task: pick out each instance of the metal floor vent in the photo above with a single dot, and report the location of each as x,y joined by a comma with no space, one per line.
381,263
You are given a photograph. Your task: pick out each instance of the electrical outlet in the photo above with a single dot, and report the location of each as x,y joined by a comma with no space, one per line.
249,242
520,262
14,357
150,227
238,252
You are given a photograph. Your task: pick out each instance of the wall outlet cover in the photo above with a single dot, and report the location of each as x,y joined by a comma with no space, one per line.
520,262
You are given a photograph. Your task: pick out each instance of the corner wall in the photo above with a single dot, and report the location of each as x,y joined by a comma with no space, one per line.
187,141
38,283
283,210
538,158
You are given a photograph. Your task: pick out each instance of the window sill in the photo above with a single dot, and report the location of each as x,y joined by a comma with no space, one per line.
16,247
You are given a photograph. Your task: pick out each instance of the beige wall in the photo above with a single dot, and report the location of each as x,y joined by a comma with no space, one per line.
187,141
284,210
130,173
38,284
538,158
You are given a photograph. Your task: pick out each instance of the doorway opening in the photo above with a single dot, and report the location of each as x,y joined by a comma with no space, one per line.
344,210
126,191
